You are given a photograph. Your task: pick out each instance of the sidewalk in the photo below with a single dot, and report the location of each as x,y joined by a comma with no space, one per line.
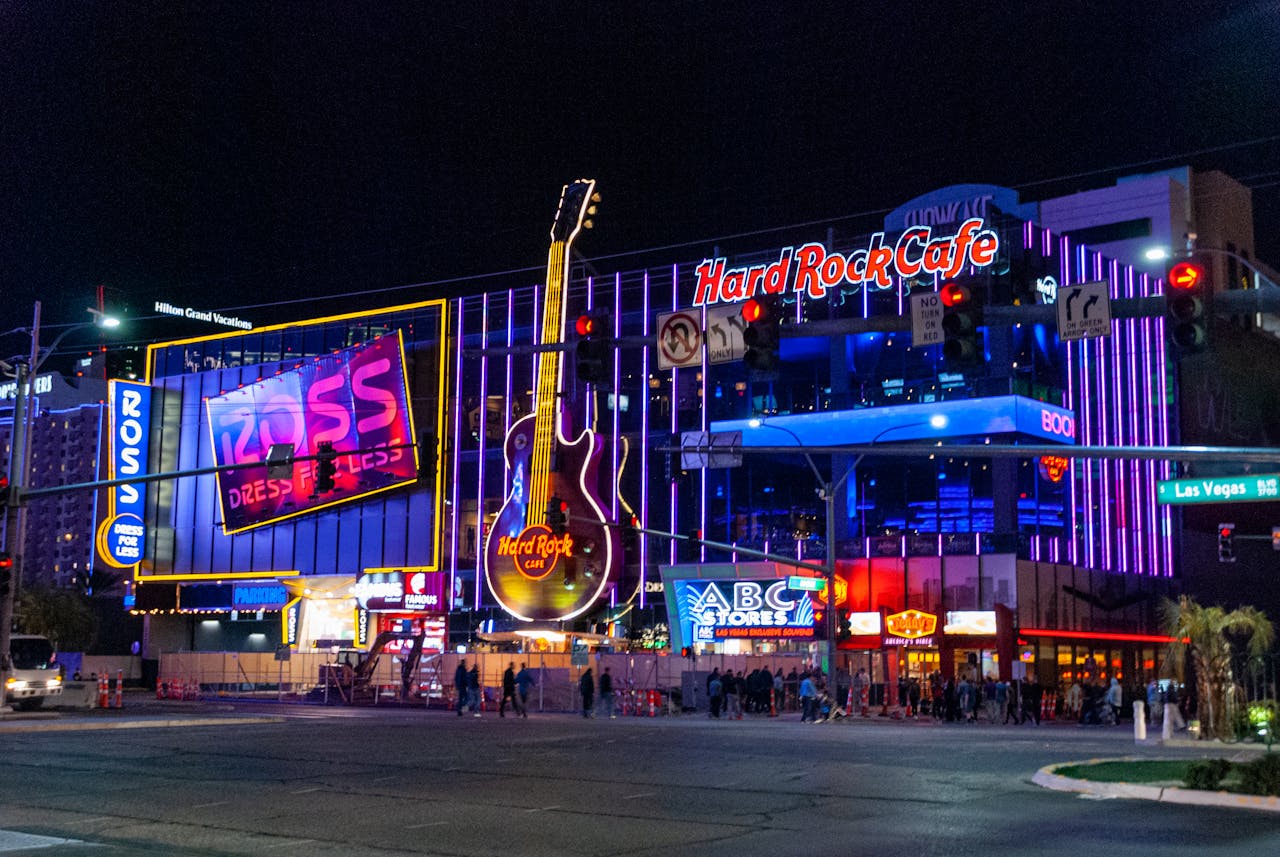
1047,777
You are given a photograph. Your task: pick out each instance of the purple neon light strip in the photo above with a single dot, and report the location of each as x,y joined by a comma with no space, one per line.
672,497
476,597
455,514
644,446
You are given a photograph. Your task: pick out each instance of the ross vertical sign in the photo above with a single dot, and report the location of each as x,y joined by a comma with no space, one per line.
121,539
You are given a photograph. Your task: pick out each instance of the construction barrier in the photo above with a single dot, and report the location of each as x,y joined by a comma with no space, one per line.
104,696
119,688
1048,703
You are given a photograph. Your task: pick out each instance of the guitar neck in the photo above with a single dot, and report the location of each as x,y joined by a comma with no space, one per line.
547,402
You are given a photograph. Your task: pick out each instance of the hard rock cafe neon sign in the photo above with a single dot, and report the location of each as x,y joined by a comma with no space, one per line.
536,551
911,624
1054,467
813,270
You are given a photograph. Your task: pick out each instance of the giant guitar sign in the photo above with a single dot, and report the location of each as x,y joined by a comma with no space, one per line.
549,555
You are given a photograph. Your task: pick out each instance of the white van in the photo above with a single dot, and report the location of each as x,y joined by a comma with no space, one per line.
34,674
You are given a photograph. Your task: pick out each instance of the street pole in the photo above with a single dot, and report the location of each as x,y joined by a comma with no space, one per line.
12,524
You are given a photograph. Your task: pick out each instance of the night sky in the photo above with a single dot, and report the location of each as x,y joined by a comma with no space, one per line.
257,158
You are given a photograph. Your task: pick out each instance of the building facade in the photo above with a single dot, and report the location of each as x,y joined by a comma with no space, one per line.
1039,563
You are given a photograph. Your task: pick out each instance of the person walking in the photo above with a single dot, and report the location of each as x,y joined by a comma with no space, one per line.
1115,698
473,688
606,693
460,685
509,691
587,687
1031,696
808,699
732,691
524,683
715,691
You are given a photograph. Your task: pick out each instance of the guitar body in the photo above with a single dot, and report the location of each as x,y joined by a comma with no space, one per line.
527,562
548,555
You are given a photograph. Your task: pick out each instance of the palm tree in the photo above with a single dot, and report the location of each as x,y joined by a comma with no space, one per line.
1207,636
62,615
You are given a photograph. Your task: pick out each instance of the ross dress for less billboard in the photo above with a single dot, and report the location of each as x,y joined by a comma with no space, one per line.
356,399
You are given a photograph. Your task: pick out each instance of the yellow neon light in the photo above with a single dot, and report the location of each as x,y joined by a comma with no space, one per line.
226,575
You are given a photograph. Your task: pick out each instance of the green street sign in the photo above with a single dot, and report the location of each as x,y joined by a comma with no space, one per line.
1220,489
806,584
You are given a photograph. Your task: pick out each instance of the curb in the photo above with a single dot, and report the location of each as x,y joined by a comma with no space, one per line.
12,727
1047,778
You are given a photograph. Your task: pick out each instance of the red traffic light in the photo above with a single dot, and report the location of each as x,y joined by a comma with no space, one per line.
1224,532
586,325
1186,275
6,562
954,295
755,311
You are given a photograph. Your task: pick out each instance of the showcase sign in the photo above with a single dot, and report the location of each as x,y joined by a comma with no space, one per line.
812,270
356,399
727,609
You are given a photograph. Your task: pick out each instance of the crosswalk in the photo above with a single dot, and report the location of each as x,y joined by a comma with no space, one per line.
12,840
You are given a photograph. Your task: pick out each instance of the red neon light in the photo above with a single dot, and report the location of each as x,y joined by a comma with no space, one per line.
1098,635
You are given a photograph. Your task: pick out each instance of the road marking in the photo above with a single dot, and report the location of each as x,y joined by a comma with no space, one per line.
90,820
307,791
427,824
384,779
290,844
543,809
639,795
207,805
12,840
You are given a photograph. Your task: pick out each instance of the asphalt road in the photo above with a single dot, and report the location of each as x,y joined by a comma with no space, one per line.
334,781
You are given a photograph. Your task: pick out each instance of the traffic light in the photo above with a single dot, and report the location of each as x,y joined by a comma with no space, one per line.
325,468
557,515
961,316
1186,299
6,574
844,625
760,336
4,493
1226,542
594,350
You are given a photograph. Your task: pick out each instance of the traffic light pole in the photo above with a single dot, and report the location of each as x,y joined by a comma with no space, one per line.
13,521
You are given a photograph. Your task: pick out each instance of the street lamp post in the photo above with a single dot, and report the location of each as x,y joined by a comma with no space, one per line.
830,486
19,466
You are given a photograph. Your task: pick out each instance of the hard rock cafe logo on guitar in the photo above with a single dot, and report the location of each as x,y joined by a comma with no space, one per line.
536,551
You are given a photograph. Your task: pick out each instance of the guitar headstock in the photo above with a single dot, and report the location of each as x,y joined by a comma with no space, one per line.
577,205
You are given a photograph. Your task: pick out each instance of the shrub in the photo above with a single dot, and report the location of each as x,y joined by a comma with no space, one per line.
1261,776
1206,775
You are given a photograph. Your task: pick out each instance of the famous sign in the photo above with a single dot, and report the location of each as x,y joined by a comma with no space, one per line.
812,270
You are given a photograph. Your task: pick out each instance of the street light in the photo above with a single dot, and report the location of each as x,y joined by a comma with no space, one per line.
828,493
20,463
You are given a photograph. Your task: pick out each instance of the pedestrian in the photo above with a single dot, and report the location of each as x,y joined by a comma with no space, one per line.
808,699
509,691
1115,698
1031,695
732,691
606,693
779,692
791,688
1154,705
859,684
913,697
964,694
473,688
990,702
587,687
715,689
524,683
1001,700
460,682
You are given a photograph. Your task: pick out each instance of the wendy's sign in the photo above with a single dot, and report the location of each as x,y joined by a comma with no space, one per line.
356,399
812,270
